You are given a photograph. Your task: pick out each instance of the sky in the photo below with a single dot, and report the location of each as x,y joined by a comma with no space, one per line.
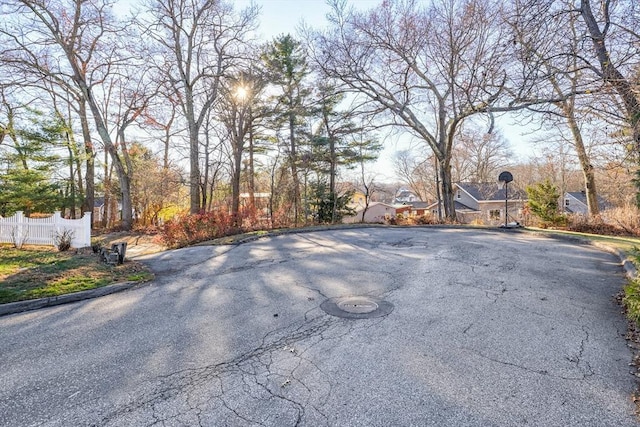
284,16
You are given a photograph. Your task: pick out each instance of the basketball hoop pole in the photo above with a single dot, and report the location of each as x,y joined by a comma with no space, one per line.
506,203
506,177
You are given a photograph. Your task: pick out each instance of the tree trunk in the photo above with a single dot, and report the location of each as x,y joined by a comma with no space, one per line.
294,169
123,178
235,191
446,186
89,175
613,76
252,188
585,165
194,156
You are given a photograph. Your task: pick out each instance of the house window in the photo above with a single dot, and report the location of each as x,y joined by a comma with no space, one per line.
566,202
494,214
459,195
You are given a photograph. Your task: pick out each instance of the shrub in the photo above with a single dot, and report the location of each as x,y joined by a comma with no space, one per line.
19,236
625,217
543,203
62,239
183,230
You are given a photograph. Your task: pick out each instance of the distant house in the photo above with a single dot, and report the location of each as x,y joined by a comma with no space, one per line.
98,209
419,208
484,203
405,197
575,202
358,200
376,213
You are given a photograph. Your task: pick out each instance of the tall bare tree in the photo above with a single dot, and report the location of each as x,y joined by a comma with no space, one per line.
30,66
238,112
427,67
554,39
480,156
602,27
86,36
198,42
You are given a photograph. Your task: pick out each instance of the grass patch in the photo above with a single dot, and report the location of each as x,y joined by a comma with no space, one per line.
631,298
38,272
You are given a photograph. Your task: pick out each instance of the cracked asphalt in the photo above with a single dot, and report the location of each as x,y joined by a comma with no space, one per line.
488,328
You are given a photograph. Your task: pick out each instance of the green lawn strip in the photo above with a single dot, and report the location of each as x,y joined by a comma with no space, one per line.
38,273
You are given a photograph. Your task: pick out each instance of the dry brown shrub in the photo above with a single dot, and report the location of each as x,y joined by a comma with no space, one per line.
612,222
626,217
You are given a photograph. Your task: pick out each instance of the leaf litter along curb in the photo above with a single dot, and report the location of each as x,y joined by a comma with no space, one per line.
39,272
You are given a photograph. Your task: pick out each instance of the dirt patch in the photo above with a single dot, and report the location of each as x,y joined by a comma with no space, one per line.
137,243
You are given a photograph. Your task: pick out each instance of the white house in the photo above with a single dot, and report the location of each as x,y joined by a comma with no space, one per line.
376,213
575,202
484,203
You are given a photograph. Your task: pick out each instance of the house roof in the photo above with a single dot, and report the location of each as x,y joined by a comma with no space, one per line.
98,201
420,205
405,193
372,204
489,191
456,205
582,198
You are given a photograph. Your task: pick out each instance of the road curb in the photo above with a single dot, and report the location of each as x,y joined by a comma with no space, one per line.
627,264
35,304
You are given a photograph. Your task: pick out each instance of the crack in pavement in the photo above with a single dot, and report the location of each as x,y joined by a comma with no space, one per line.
269,378
543,372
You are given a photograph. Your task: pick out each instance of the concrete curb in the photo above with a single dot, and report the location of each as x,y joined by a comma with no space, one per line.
35,304
627,264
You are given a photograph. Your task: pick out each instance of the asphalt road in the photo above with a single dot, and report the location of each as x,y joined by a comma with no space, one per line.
481,328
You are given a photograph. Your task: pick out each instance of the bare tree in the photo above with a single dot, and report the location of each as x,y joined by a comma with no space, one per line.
418,172
553,39
480,156
198,42
236,113
602,27
427,68
86,35
30,66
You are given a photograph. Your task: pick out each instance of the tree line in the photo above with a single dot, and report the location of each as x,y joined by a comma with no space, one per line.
179,101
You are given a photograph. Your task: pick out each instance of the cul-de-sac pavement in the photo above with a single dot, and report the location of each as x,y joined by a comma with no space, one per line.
351,327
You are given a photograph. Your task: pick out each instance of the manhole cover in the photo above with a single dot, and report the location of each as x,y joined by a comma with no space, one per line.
356,307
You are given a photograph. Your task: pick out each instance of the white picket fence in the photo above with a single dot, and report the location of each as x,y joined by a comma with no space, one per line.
41,231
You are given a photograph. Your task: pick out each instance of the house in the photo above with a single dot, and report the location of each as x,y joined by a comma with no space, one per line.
484,203
358,200
405,196
419,208
575,202
377,212
98,209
